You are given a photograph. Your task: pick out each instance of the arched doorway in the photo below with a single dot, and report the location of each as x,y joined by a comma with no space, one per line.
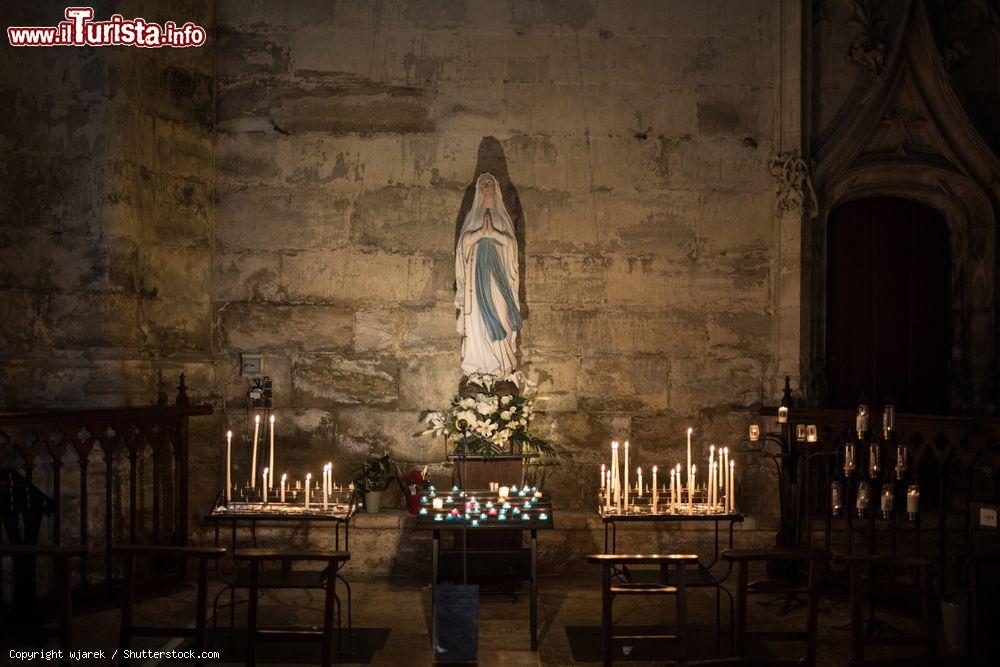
888,329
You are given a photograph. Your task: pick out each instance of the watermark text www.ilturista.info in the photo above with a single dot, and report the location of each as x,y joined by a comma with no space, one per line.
79,29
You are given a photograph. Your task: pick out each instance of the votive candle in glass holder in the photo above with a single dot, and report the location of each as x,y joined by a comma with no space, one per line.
836,498
800,432
812,433
850,461
901,461
912,502
437,503
874,460
754,432
783,415
864,499
886,500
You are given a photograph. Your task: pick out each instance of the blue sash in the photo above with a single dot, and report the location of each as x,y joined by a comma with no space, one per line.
489,268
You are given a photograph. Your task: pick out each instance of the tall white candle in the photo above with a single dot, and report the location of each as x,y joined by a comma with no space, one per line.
263,488
607,496
229,467
690,430
326,487
253,456
711,475
626,476
679,500
309,477
725,477
691,483
711,485
602,481
614,473
673,498
638,486
732,487
270,458
656,491
284,478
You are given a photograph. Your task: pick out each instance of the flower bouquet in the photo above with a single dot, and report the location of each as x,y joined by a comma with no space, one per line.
492,424
414,485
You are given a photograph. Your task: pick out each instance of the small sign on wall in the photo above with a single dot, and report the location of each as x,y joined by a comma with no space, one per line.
988,517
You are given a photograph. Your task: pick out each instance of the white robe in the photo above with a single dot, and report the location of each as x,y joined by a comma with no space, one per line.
480,354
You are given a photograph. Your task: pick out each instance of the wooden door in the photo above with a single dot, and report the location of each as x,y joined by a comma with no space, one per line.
888,313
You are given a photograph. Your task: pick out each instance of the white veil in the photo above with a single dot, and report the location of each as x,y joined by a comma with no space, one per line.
502,221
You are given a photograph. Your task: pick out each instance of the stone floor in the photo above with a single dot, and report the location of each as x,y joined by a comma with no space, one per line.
403,608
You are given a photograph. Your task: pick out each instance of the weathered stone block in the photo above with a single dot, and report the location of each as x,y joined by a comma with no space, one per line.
323,380
429,381
260,327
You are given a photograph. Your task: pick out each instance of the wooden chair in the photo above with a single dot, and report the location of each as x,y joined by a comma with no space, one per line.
63,592
877,577
334,560
203,555
609,591
742,558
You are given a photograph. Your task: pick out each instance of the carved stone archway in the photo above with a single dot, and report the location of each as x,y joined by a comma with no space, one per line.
908,136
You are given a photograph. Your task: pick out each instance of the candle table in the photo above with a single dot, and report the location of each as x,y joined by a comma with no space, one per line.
475,511
702,577
253,515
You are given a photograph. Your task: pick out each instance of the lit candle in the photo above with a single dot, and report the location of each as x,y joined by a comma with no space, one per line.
782,415
229,467
437,503
655,490
284,478
912,501
601,482
326,487
309,477
638,474
626,476
263,489
754,432
270,459
253,457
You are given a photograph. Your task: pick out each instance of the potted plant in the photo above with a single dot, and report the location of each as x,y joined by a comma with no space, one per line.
416,483
372,478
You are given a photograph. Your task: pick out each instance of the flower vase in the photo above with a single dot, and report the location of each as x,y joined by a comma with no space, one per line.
373,501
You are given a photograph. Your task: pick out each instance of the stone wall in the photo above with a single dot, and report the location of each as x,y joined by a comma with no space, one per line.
631,140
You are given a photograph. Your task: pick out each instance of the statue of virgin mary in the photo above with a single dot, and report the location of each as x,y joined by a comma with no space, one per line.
486,285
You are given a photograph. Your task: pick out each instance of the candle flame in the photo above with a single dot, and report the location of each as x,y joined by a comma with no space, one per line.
256,419
690,430
626,444
639,470
614,444
229,435
309,476
725,450
678,468
272,419
654,469
284,476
